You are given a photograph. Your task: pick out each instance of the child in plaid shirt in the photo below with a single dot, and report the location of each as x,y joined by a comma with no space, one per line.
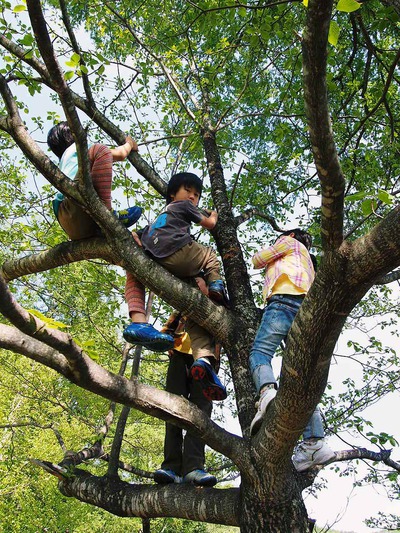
289,275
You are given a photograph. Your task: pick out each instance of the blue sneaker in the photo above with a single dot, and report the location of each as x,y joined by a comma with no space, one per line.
143,334
165,476
217,292
201,478
128,216
212,387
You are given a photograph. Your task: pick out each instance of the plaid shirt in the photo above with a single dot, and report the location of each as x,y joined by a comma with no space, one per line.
286,256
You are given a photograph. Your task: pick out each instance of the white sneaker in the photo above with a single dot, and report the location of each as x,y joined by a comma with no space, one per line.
262,405
311,452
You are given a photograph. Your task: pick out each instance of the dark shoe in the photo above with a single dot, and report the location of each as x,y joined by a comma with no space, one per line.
128,216
163,477
143,334
212,387
217,292
201,478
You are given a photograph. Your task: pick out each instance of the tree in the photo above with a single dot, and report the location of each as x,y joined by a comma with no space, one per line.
223,79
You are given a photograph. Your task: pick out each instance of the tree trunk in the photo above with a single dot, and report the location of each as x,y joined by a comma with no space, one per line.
268,510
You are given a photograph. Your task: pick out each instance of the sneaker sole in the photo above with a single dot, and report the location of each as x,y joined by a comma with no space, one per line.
209,483
303,467
163,479
156,345
255,428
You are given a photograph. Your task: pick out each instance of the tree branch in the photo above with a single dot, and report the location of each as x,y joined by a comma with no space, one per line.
330,174
152,501
58,351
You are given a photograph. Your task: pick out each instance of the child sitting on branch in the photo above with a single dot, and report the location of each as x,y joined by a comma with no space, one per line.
168,241
76,222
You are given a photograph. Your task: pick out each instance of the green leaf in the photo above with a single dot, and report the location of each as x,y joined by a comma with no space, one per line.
385,197
69,74
334,32
50,322
242,12
348,6
356,196
19,8
368,206
75,58
27,40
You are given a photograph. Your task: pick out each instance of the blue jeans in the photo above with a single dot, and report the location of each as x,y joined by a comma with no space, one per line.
275,324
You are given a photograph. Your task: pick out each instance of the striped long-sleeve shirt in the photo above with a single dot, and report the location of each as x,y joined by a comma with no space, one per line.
289,269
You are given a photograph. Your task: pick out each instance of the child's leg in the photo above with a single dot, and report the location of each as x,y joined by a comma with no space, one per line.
177,383
202,370
193,447
192,259
315,427
139,332
313,450
135,298
101,171
275,325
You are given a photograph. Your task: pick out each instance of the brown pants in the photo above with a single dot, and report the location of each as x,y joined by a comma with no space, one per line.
74,220
187,262
192,259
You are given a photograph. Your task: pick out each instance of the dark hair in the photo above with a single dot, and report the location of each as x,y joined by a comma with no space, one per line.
300,235
186,179
60,138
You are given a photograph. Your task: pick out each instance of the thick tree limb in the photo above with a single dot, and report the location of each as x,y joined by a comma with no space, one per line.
389,278
330,174
152,501
62,254
58,351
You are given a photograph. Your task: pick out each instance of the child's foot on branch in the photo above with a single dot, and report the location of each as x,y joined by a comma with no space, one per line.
217,292
128,216
143,334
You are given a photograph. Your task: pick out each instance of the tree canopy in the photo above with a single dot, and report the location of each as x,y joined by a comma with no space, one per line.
289,112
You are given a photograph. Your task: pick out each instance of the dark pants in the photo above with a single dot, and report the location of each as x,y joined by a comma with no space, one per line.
182,454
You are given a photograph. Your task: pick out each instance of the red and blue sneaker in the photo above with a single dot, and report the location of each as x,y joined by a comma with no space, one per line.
212,387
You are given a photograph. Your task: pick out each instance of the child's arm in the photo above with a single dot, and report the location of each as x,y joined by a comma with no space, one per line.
209,221
271,253
121,152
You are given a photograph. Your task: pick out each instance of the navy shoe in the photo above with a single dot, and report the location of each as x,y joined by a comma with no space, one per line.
143,334
217,292
201,478
212,387
165,476
128,216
